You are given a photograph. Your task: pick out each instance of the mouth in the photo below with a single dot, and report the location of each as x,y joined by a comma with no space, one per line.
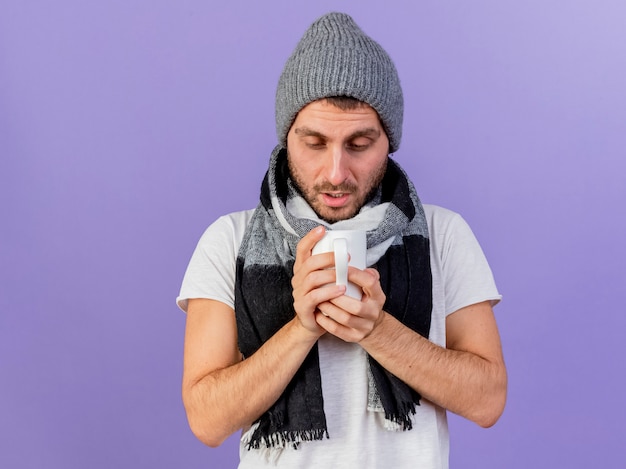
335,199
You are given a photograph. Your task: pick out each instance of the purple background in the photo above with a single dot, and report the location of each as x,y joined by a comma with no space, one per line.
126,127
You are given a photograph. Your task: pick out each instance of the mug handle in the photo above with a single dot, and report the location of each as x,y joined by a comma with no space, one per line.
340,246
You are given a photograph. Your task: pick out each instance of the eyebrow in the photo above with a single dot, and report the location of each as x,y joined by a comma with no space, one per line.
367,132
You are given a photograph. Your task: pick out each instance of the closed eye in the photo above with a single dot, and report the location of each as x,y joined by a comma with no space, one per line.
317,145
360,144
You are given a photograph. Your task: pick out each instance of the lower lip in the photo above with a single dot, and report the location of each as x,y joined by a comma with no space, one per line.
335,202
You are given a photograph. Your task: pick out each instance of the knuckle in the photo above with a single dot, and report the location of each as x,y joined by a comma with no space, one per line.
371,282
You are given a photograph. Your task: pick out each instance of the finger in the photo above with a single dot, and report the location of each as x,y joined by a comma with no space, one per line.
308,303
368,279
347,303
373,272
306,244
303,284
342,324
365,309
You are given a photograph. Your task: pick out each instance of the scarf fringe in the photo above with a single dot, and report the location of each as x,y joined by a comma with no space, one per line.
401,420
282,439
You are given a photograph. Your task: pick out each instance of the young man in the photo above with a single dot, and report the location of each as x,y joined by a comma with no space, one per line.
315,378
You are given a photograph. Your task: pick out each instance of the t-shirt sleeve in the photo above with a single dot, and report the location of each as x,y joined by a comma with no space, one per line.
211,270
468,279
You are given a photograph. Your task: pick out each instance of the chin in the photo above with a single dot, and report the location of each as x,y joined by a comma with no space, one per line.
330,215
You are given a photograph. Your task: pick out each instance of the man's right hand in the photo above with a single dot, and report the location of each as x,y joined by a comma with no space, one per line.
313,280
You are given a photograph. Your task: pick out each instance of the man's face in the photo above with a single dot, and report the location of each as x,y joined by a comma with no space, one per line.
337,158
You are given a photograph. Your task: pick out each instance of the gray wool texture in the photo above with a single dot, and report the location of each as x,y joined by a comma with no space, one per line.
336,58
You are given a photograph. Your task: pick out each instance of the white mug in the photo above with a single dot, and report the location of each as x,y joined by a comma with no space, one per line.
350,248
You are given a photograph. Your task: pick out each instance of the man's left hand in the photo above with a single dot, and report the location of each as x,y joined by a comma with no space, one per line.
350,319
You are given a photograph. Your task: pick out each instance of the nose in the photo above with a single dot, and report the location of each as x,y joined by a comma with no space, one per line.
337,166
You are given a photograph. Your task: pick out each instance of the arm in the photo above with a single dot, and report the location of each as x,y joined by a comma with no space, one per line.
223,393
468,377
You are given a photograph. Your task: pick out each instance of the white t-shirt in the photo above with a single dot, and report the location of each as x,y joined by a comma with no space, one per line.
461,277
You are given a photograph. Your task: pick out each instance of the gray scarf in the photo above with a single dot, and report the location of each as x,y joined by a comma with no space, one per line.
398,247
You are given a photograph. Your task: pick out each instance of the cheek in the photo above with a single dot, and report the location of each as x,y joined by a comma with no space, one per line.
301,169
301,175
372,175
308,167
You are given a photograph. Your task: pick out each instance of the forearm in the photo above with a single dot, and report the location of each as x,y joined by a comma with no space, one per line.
462,382
225,400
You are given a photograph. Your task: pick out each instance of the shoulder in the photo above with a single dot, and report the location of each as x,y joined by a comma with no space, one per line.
223,237
437,211
456,255
448,229
231,226
210,273
442,220
233,220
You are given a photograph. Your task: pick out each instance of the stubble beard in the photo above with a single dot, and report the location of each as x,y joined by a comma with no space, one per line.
332,214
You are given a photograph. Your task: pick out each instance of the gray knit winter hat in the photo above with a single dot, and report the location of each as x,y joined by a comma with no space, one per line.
336,58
